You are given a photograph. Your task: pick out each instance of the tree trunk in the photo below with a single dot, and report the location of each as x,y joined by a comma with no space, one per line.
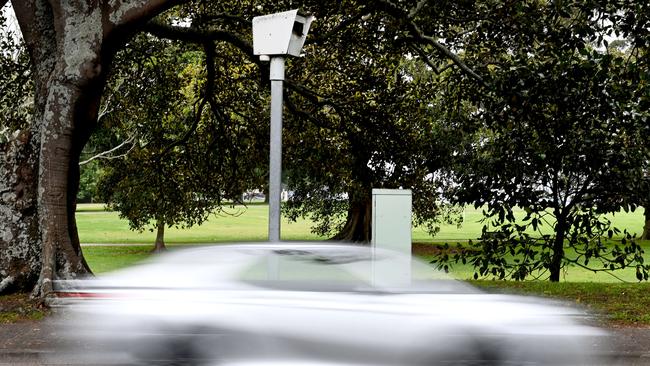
71,45
20,259
20,245
558,249
62,257
646,226
357,228
159,245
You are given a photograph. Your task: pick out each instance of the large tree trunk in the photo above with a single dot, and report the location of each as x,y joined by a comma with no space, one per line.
20,259
558,249
20,246
71,45
357,228
159,245
646,226
62,257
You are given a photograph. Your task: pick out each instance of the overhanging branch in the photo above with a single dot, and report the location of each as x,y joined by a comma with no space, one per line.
107,154
418,36
339,27
193,35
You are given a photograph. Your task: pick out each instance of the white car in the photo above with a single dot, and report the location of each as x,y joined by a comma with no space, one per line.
309,304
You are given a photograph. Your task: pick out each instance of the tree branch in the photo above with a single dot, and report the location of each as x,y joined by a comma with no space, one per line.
344,24
418,36
223,15
315,97
293,109
106,110
104,155
188,133
193,35
428,61
26,14
129,12
416,9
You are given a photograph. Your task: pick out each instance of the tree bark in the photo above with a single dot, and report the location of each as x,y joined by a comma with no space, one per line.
20,259
71,46
62,257
357,228
646,226
21,242
159,245
558,249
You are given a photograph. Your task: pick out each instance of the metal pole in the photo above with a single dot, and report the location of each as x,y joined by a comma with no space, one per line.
275,166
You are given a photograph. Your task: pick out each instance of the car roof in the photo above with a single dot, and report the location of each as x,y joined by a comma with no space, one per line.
256,247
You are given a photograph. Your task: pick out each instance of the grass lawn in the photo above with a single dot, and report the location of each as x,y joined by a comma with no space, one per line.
625,304
236,224
618,304
241,224
109,258
471,228
250,224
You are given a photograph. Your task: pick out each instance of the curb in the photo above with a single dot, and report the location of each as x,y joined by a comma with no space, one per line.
24,353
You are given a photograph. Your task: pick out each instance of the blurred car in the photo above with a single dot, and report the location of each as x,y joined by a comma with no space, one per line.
308,304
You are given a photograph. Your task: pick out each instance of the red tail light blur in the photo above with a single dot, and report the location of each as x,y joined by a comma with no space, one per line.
82,295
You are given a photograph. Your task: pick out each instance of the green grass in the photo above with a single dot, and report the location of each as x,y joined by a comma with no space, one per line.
237,224
623,303
472,226
249,223
109,258
618,304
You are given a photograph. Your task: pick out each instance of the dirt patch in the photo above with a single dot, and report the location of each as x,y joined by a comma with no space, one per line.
430,249
422,249
20,308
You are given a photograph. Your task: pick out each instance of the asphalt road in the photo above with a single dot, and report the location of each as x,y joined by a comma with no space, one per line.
31,343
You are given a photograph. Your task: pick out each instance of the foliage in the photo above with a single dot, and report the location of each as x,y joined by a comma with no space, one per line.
188,149
16,86
368,127
88,178
359,115
561,131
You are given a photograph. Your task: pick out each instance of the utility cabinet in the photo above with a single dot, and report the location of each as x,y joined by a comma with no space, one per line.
391,229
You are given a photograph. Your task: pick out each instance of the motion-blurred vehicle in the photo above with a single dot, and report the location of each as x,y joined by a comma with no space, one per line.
309,304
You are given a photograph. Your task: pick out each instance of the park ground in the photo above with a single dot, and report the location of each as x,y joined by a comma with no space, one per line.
619,300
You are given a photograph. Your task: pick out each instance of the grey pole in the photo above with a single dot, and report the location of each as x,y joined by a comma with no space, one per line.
275,166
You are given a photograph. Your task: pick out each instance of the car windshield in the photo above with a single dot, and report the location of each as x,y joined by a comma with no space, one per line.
363,270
